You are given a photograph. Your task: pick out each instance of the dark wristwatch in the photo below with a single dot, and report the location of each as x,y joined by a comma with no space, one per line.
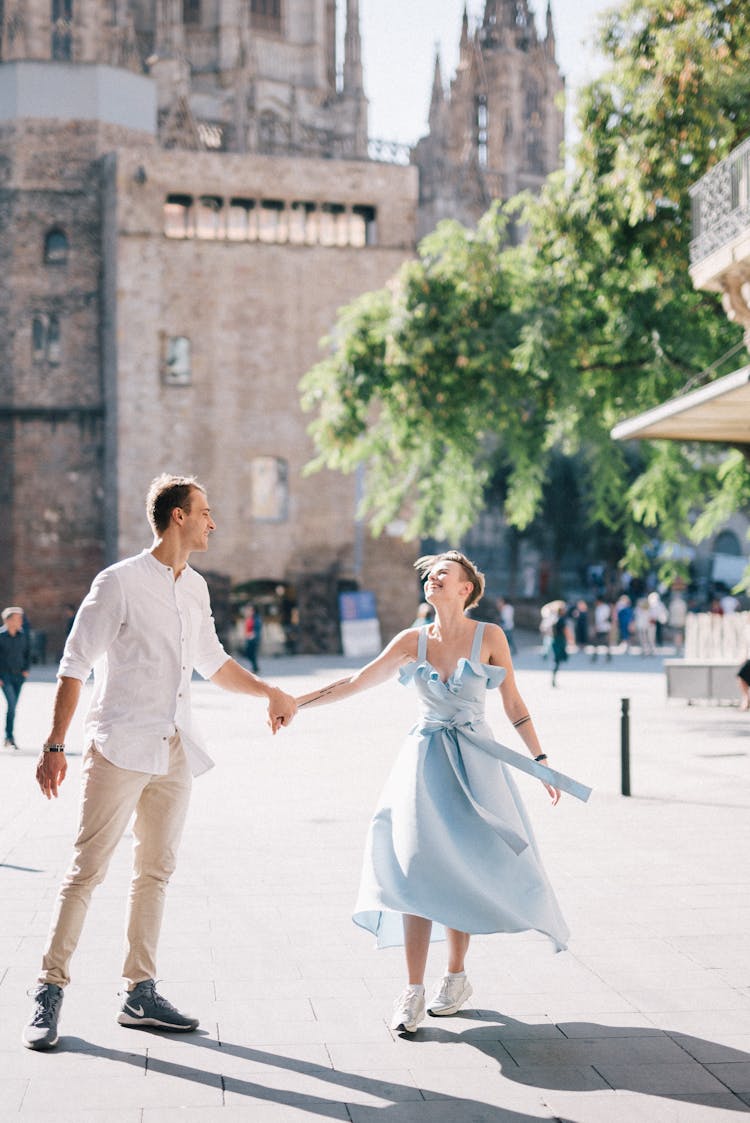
53,749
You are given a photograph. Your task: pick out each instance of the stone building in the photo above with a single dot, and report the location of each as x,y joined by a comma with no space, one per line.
187,195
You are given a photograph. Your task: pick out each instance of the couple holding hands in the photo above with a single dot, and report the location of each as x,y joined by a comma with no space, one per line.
450,850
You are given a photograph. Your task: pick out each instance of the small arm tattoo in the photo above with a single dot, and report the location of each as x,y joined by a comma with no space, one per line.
323,692
522,721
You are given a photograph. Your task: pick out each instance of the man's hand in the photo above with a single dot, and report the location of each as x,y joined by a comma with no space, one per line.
281,709
51,769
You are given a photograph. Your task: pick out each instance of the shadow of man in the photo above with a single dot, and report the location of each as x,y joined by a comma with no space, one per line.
326,1105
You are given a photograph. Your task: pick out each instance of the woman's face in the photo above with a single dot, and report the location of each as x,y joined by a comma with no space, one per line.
446,581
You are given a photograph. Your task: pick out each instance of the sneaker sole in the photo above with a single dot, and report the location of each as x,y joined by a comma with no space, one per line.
154,1023
453,1009
40,1046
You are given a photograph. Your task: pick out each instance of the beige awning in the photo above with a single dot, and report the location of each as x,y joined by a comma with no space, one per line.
717,412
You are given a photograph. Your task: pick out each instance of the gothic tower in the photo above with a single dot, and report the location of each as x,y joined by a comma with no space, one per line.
499,128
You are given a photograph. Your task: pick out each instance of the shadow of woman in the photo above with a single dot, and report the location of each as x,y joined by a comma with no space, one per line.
590,1056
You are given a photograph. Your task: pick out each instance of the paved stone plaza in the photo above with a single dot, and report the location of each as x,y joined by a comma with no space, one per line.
646,1017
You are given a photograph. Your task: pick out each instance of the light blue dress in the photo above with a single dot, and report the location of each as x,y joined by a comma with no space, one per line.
450,839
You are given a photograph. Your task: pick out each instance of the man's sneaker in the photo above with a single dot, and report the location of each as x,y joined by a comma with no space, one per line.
41,1031
10,743
454,991
408,1010
144,1006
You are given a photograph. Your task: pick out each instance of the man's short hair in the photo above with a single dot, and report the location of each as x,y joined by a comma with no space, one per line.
165,493
14,610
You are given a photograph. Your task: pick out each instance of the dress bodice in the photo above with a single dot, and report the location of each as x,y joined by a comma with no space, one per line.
460,699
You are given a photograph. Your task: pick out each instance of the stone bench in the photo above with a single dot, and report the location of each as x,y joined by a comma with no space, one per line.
711,679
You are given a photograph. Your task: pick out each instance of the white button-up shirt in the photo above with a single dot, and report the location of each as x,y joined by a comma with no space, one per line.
143,632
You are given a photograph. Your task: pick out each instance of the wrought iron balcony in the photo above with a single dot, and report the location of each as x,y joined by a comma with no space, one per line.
721,204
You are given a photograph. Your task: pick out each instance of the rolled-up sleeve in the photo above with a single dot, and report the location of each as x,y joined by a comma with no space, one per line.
210,655
96,625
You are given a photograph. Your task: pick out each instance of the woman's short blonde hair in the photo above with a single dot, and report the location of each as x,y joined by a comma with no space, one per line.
424,564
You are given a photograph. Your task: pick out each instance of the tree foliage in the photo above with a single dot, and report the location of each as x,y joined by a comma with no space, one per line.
482,355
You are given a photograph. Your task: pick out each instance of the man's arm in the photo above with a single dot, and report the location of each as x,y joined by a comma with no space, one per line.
52,767
281,706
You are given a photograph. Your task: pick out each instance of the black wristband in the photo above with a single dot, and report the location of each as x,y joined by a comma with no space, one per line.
542,756
53,749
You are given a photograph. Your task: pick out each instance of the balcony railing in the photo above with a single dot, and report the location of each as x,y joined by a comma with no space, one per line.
721,204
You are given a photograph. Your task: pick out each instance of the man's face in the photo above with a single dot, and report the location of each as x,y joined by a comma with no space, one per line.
197,523
14,622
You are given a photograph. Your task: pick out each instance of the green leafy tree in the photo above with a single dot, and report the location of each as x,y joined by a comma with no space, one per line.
481,356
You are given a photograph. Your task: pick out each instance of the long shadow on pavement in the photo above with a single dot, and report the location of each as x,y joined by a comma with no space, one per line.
592,1064
475,1110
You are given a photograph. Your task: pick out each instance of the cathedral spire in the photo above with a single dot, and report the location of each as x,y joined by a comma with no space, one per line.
464,44
353,83
549,41
438,93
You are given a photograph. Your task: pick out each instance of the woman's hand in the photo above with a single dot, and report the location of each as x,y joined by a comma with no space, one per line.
554,793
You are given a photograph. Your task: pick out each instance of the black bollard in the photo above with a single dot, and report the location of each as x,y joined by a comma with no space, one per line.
625,746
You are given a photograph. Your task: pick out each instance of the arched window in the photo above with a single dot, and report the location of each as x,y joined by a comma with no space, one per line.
55,247
727,542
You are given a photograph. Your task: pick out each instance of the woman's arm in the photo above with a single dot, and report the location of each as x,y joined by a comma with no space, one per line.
513,703
402,649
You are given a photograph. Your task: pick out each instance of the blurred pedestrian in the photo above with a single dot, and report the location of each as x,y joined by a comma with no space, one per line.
676,618
658,616
508,622
581,623
645,631
253,627
624,614
424,615
559,642
743,678
602,628
15,660
546,625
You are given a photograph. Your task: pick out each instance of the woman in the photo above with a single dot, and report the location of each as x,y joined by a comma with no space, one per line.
450,841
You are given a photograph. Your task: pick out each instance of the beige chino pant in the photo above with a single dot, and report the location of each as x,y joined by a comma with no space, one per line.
109,796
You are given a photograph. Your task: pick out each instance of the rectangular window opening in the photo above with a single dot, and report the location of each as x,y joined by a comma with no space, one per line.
272,221
178,216
242,220
333,225
209,222
364,227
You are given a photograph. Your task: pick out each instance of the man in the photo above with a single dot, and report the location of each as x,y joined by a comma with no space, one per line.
15,660
144,625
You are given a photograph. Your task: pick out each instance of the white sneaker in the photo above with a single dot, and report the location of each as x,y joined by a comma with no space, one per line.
408,1010
454,991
